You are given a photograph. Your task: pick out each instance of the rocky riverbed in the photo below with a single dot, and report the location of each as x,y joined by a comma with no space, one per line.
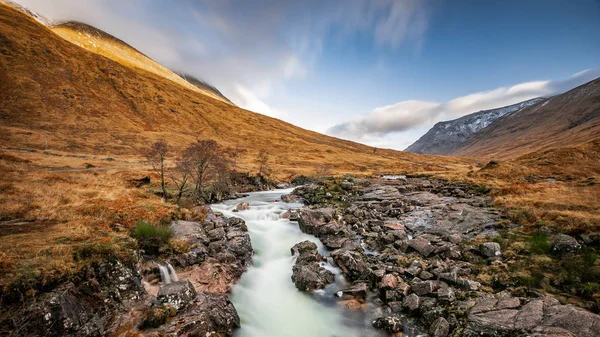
415,246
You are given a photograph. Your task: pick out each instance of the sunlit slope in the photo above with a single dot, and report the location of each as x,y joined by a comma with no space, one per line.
100,42
83,102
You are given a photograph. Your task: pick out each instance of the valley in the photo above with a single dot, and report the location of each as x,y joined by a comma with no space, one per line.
257,227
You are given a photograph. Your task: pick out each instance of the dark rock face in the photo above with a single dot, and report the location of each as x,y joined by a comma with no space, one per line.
307,273
439,328
86,306
391,324
352,264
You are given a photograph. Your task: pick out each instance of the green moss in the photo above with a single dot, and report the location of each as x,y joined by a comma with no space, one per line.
539,243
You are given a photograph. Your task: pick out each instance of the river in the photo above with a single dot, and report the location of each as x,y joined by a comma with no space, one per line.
266,299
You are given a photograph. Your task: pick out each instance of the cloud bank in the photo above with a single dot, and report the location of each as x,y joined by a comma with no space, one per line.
378,126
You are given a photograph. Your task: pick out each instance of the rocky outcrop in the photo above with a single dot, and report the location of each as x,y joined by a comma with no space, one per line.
207,315
85,306
504,315
323,224
307,273
565,244
176,295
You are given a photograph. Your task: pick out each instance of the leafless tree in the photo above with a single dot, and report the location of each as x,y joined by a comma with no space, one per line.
207,164
181,174
156,155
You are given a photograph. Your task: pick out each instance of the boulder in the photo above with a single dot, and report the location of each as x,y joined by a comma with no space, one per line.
358,291
439,328
352,264
565,244
422,246
390,324
490,249
177,295
311,276
411,302
212,315
241,207
290,198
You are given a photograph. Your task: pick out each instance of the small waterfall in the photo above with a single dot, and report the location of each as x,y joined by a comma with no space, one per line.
164,274
174,277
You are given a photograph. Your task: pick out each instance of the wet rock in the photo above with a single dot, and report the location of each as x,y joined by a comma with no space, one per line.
565,244
241,207
357,291
216,234
439,328
307,273
490,249
177,295
422,246
391,324
352,264
290,198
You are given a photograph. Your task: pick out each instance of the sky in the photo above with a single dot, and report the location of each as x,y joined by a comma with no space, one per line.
381,72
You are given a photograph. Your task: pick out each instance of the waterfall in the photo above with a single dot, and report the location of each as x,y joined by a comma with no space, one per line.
174,277
164,274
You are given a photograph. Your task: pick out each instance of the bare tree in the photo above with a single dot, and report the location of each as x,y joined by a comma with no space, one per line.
203,156
181,174
263,163
156,155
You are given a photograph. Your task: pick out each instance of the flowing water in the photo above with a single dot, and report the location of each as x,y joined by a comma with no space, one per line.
266,299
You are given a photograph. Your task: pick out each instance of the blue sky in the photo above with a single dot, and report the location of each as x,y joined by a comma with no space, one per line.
380,72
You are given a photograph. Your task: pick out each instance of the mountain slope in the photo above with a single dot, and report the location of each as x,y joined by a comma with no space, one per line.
445,137
100,42
567,119
83,102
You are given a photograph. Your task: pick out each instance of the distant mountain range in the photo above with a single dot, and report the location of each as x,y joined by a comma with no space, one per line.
445,137
566,119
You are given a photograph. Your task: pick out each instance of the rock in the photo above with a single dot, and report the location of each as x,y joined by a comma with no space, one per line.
490,249
565,244
388,281
216,234
241,207
290,198
357,291
177,295
311,276
439,328
530,315
446,295
574,320
424,287
391,324
422,246
211,315
305,248
346,185
411,302
352,264
468,285
380,193
455,238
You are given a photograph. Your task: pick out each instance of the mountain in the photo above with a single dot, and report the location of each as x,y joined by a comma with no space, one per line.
88,102
102,43
567,119
203,85
445,137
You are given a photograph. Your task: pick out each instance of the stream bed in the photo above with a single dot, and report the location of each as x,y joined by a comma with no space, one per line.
268,303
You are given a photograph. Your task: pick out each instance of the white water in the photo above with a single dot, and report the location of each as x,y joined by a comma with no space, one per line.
172,273
266,299
164,274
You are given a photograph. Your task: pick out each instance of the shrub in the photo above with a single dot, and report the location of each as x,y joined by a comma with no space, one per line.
155,317
150,237
539,243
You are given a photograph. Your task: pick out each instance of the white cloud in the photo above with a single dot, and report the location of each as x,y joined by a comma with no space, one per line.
252,102
398,121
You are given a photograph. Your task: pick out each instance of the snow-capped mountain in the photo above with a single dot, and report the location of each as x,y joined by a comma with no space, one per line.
444,137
